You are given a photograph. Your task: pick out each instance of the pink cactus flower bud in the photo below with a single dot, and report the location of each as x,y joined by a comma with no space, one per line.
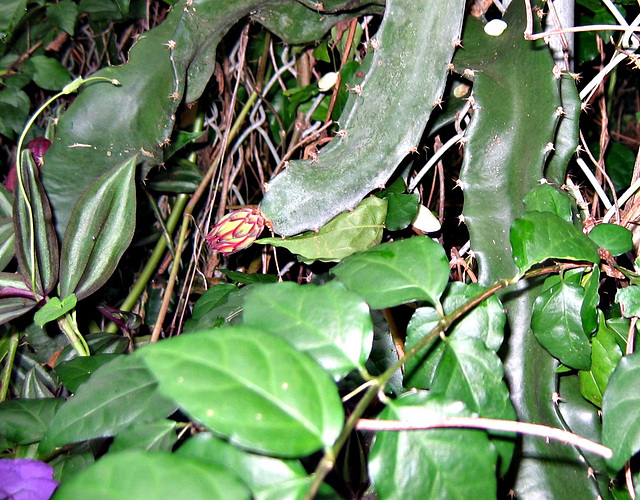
236,231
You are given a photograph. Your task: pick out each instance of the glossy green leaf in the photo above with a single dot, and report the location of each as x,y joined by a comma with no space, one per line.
183,177
345,234
63,14
472,373
397,187
25,421
150,436
11,11
138,475
433,464
54,309
396,273
621,411
47,73
99,343
117,394
534,238
613,238
605,356
68,465
238,277
485,322
548,198
15,111
100,230
328,322
179,140
219,306
35,233
557,324
380,125
589,310
268,478
401,211
629,300
75,372
250,387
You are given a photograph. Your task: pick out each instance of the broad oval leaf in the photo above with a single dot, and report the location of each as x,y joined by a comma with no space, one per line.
401,211
36,241
54,309
329,323
148,436
398,272
74,372
629,300
557,324
485,323
25,421
538,236
268,478
621,411
431,464
548,198
613,238
138,475
605,356
344,235
472,373
118,394
99,231
250,387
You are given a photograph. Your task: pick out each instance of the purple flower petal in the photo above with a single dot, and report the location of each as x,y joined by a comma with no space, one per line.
25,479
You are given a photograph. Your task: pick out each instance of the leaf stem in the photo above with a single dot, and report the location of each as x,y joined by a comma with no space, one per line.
68,89
14,338
69,327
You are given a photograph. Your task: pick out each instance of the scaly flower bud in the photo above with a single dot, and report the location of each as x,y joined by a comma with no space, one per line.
236,231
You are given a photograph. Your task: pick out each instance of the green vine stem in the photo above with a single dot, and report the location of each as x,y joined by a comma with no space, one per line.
186,218
68,89
376,385
154,260
14,338
69,326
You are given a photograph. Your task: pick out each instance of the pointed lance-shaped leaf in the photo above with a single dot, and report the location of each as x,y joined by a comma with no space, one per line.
36,240
100,230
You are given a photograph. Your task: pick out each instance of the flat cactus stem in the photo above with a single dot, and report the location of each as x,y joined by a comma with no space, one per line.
383,121
169,64
512,132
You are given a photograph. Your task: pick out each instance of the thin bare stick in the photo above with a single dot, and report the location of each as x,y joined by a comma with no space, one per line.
488,424
345,57
580,29
433,160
